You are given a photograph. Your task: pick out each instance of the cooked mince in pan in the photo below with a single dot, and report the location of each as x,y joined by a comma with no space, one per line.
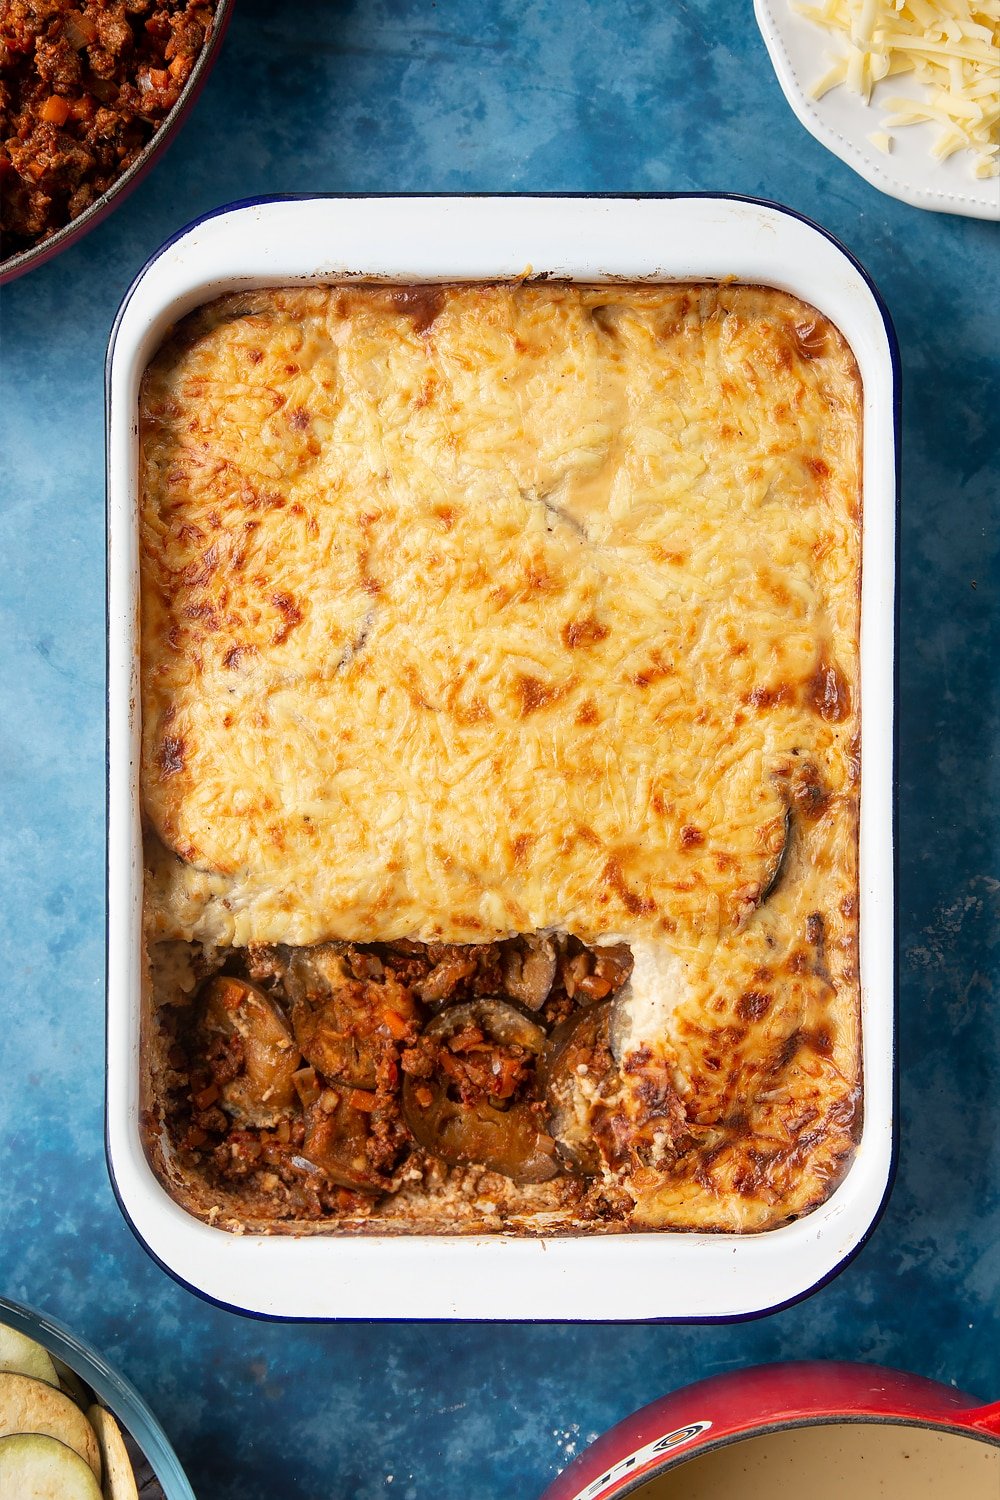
83,88
500,758
314,1080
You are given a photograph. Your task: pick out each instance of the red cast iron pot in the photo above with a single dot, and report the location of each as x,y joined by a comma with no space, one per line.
751,1403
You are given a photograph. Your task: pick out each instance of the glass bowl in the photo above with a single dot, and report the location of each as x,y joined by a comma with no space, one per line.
121,1398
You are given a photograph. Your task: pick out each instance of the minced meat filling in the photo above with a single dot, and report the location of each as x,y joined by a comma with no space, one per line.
319,1079
83,88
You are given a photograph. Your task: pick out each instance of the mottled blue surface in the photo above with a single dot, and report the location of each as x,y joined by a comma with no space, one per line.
468,94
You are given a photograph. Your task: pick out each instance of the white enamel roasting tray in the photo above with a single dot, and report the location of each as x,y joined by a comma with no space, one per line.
600,1277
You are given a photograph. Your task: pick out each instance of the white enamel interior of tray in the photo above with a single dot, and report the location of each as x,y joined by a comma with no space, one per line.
631,1276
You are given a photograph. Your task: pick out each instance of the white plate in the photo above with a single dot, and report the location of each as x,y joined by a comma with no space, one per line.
625,1276
801,52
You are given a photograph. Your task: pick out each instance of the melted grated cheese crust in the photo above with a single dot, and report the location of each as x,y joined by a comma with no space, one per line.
479,610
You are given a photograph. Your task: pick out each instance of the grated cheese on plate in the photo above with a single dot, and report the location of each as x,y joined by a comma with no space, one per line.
952,50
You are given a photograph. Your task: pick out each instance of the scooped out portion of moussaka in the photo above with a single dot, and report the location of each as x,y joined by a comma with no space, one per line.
500,758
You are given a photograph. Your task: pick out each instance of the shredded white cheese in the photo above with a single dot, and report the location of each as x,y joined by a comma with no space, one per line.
952,50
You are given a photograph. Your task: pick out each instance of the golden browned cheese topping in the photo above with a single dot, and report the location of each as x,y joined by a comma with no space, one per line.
484,610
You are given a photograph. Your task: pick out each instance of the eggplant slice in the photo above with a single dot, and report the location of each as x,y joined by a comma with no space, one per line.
577,1073
263,1092
777,867
529,970
337,1142
460,1121
592,974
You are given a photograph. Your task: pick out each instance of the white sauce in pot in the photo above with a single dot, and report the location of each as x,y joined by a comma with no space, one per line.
859,1460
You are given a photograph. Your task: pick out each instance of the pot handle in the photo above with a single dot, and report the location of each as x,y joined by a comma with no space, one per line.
986,1418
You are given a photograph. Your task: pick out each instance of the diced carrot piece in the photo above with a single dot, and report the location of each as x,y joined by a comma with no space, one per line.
451,1065
361,1099
506,1078
55,110
396,1024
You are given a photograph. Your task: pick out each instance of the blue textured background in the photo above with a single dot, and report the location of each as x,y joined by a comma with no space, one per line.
468,94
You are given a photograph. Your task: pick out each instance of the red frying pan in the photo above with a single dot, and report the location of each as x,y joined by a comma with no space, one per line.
847,1430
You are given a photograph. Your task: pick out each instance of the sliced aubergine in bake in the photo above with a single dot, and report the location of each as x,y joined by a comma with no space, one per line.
779,858
339,1000
471,1097
593,974
578,1073
263,1092
529,968
337,1143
